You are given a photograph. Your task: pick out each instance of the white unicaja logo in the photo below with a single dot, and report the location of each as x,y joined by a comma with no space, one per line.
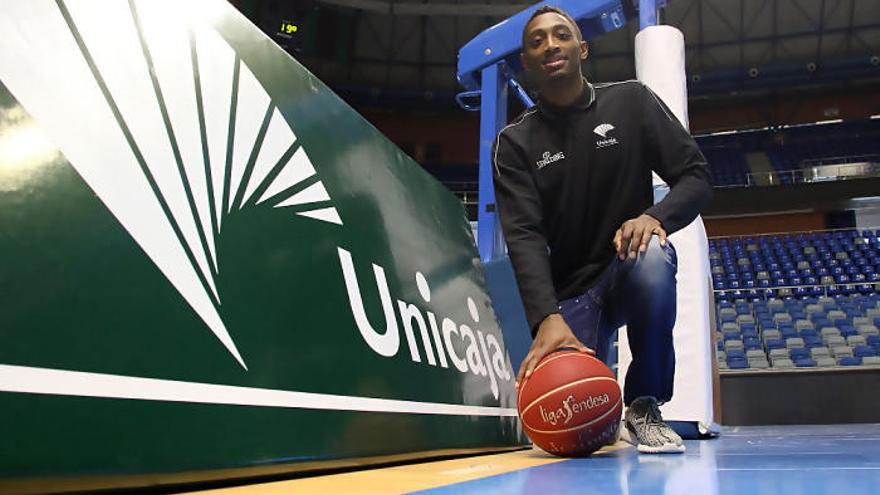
482,356
169,128
602,131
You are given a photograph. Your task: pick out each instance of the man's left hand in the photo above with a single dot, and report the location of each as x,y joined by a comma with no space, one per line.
635,234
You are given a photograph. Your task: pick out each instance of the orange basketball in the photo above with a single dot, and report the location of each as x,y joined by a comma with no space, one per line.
571,404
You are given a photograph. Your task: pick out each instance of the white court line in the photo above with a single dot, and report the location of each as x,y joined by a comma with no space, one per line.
27,379
762,454
806,468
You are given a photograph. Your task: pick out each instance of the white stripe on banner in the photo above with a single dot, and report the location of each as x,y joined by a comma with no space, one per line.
30,380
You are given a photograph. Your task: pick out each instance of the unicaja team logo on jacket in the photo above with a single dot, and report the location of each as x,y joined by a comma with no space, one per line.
602,131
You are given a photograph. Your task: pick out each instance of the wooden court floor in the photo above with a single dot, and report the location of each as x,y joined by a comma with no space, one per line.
757,460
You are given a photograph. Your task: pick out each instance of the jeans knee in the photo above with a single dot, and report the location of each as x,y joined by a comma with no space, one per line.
656,267
657,253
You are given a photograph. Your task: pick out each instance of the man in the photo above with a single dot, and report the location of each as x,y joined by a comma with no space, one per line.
575,198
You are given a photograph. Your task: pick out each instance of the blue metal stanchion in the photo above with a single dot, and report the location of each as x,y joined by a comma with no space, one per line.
493,116
647,13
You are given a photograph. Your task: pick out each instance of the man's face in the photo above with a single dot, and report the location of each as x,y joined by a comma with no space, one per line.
551,49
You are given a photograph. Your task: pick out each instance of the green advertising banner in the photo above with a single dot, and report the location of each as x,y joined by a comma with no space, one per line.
212,265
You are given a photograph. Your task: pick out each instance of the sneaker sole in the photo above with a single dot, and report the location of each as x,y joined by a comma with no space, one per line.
667,448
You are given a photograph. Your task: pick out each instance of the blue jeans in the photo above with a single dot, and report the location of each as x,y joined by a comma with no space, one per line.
639,293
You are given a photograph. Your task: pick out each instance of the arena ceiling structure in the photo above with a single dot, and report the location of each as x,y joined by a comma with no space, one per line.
381,46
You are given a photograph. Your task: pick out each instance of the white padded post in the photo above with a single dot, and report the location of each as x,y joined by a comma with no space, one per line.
660,64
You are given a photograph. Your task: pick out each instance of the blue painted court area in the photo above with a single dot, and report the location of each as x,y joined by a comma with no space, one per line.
771,460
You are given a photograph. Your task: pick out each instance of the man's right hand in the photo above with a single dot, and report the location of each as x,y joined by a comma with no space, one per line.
553,333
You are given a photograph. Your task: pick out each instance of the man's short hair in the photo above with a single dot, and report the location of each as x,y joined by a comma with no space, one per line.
546,9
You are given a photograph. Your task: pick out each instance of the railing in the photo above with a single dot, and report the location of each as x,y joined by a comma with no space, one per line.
794,232
840,160
791,290
468,198
811,171
465,191
816,170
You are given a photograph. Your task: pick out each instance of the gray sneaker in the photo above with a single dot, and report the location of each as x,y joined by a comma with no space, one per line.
646,430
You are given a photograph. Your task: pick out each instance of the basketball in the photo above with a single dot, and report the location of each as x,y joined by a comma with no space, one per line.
571,404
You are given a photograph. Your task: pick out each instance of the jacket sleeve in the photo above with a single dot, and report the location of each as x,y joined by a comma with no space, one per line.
674,155
520,212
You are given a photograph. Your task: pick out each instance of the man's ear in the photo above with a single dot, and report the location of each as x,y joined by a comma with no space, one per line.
585,50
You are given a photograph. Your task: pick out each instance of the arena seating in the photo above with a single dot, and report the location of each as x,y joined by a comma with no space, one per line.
728,165
816,142
789,149
807,300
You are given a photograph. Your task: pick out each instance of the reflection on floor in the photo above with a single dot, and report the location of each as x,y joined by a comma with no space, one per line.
780,460
407,478
805,460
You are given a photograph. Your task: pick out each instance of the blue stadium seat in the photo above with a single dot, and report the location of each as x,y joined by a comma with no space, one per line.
788,331
809,332
818,317
799,353
737,364
863,350
752,344
805,363
747,311
847,330
850,361
732,335
735,354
